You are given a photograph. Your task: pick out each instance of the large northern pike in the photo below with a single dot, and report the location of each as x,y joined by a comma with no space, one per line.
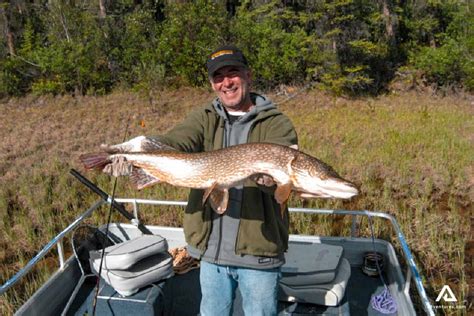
148,162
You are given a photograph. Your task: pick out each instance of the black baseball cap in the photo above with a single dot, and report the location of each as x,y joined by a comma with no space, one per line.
227,55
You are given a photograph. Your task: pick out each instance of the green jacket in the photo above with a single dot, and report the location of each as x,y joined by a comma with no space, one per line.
262,231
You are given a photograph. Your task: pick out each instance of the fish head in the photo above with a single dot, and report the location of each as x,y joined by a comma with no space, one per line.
313,178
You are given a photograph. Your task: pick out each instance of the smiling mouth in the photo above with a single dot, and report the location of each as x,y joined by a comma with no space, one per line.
230,91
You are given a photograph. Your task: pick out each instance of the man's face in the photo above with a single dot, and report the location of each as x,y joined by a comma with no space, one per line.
231,85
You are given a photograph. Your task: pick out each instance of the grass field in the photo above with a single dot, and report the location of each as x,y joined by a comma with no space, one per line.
410,154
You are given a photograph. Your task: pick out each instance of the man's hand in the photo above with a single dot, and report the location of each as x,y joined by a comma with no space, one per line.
118,167
132,145
137,144
263,179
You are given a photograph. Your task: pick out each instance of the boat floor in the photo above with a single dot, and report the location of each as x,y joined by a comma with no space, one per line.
181,295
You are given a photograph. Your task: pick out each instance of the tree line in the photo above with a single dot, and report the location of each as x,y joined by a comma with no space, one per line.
346,46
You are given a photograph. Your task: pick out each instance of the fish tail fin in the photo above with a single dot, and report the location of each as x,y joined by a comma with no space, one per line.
95,160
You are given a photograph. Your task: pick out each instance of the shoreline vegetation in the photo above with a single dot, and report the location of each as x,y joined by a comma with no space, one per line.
346,46
411,154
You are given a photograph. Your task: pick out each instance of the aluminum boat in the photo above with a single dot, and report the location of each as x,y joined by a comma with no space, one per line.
322,275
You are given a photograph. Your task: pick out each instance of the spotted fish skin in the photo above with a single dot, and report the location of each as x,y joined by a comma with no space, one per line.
217,171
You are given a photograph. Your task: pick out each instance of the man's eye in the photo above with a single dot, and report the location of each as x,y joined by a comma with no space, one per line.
218,78
230,74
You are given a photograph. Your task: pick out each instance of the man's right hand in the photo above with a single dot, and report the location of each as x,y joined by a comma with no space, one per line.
137,144
132,145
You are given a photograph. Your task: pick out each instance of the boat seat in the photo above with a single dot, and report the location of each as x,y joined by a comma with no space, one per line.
124,255
134,264
315,273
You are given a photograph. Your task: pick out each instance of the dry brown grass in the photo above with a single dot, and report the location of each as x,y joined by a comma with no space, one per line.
411,155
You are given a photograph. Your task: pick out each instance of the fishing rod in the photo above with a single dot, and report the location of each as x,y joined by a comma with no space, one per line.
112,201
117,206
113,204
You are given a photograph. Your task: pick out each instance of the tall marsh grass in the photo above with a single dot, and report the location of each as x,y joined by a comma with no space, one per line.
411,155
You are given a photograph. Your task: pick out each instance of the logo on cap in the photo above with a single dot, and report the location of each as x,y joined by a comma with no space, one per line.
222,52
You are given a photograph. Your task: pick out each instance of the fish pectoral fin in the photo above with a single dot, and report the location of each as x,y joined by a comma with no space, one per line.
207,192
141,179
282,194
219,200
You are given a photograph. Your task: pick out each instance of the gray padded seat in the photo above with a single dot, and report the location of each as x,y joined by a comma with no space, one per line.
145,272
123,255
136,263
318,276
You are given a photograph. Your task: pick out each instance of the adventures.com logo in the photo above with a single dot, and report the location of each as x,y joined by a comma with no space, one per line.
446,295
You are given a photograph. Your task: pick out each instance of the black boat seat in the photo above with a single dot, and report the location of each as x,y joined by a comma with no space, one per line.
315,273
134,264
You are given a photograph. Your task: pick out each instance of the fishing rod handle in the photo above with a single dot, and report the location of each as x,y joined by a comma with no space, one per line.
118,206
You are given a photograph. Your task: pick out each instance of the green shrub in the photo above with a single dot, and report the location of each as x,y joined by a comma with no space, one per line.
134,55
68,67
276,54
450,62
13,82
445,65
48,86
190,32
70,52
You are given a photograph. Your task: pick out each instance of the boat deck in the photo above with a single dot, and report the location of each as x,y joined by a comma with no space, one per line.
181,295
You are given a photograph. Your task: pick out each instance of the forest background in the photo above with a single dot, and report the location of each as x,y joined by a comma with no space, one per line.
346,46
386,85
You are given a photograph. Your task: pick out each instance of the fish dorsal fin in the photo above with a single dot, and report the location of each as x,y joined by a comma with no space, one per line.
219,200
142,179
151,145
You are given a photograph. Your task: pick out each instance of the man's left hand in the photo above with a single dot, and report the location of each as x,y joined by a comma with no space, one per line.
263,179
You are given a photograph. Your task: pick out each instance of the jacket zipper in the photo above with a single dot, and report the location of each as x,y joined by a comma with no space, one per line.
219,241
237,251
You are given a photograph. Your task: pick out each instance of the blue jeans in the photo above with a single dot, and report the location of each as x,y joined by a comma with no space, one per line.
257,287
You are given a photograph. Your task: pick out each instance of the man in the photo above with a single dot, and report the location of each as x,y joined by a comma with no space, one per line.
245,246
